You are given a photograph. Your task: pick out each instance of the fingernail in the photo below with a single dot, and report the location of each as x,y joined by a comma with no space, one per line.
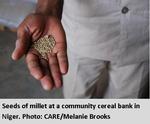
63,70
13,56
37,76
46,87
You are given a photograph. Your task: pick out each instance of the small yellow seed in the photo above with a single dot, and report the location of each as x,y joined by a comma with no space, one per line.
44,45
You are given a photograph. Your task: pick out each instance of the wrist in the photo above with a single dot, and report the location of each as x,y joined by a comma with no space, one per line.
50,8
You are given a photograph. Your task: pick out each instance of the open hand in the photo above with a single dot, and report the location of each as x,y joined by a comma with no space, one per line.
30,30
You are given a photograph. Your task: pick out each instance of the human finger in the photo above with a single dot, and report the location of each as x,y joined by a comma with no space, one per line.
46,81
55,70
34,66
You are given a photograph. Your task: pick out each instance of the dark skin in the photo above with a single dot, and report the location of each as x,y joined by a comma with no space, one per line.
45,21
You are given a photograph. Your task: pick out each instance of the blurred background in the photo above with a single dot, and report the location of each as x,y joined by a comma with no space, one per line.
15,81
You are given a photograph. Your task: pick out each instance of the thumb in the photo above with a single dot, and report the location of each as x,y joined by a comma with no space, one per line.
22,43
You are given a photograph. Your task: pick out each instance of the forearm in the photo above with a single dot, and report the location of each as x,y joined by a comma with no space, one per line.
50,7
